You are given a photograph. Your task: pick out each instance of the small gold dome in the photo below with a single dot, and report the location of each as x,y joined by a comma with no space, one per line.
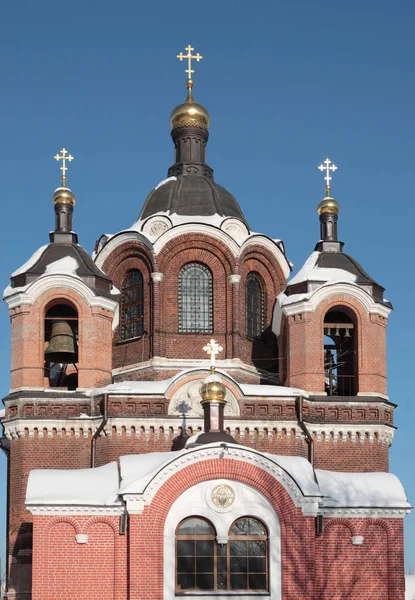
63,195
190,113
328,205
213,389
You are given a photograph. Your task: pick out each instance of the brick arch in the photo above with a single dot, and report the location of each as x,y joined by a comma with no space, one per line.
351,525
63,519
378,523
196,241
98,520
129,249
267,260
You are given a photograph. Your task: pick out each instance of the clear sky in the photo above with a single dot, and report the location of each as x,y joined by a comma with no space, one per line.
286,84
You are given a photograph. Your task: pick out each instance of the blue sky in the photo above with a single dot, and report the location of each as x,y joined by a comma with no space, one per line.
286,84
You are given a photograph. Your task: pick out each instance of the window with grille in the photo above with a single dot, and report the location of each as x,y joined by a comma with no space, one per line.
255,306
195,299
132,308
203,564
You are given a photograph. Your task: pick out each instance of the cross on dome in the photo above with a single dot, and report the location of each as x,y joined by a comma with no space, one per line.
327,166
189,57
64,156
212,348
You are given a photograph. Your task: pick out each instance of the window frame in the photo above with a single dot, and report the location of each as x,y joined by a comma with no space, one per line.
217,591
185,314
137,321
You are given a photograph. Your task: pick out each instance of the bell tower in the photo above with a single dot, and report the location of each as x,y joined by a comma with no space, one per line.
62,308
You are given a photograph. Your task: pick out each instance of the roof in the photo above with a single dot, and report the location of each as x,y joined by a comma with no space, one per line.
192,195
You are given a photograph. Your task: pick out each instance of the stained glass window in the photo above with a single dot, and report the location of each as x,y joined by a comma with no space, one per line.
132,306
195,299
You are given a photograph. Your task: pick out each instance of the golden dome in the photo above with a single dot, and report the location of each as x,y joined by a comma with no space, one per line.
63,195
213,390
328,205
190,113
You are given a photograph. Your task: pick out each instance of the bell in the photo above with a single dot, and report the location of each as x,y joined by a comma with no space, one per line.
347,334
62,346
337,334
328,331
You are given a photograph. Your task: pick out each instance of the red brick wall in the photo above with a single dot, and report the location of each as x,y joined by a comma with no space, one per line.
313,567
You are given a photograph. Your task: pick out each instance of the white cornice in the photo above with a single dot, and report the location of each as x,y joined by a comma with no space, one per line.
53,282
272,247
365,512
52,510
328,290
209,230
118,240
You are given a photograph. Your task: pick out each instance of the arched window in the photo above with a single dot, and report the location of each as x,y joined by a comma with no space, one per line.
255,305
340,352
132,306
195,299
202,564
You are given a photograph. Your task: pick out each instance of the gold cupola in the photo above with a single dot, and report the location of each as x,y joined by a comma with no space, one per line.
328,204
189,113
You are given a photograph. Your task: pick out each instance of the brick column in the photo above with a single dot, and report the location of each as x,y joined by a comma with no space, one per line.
234,280
157,278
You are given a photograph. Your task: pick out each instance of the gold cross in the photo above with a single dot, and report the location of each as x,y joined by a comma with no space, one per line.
212,348
327,166
189,57
63,157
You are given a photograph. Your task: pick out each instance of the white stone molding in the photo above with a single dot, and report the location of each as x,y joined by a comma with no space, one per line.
81,538
357,540
119,240
79,511
204,229
234,279
142,426
235,228
364,513
156,226
248,502
137,501
53,282
157,277
262,240
328,290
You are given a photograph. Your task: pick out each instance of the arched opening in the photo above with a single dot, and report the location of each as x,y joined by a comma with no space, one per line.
61,346
203,564
195,299
340,352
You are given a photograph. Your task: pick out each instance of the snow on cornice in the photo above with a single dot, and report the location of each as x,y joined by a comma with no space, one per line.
311,272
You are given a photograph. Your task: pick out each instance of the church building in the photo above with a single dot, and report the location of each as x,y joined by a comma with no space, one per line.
186,419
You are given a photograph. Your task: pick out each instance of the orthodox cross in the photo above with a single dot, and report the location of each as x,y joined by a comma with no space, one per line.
189,57
327,166
64,156
212,348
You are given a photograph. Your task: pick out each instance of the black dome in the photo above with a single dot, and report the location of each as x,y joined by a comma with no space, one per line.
197,196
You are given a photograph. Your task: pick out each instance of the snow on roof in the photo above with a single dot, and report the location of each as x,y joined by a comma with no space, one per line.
96,487
2,413
300,470
138,469
361,489
160,387
68,265
409,587
173,178
29,263
310,272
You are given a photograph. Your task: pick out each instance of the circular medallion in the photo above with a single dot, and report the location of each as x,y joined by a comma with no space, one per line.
223,496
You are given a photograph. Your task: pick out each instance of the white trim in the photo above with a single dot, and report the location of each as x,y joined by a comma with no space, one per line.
248,501
357,540
117,240
328,290
234,279
69,510
210,230
52,282
136,501
262,240
81,538
157,277
365,513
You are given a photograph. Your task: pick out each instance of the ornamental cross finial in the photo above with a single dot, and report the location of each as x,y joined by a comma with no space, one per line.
64,156
189,58
327,166
212,348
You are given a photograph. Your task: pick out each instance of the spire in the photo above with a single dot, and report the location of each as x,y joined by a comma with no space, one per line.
328,209
190,125
63,200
